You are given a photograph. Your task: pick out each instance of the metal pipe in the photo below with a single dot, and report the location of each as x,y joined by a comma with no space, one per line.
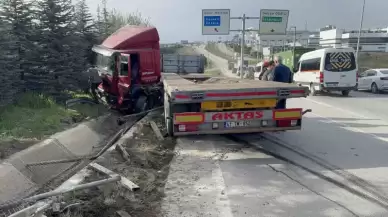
73,188
31,209
359,32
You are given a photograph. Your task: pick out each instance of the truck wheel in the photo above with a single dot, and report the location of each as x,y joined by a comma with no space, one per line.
141,104
345,92
167,116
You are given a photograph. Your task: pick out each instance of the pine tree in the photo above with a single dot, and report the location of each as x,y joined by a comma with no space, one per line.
106,25
57,40
9,71
84,19
17,15
86,31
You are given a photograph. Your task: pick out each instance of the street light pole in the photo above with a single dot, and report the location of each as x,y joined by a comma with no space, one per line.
359,32
242,47
293,49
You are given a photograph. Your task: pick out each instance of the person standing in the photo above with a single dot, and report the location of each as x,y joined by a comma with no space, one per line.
282,74
268,74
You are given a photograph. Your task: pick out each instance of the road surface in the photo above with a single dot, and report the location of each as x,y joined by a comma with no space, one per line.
335,166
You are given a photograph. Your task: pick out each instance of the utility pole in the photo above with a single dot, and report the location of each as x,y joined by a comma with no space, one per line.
359,32
243,30
293,49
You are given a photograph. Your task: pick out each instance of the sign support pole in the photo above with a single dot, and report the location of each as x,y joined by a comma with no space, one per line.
243,30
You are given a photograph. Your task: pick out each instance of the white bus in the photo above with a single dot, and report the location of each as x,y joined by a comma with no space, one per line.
328,69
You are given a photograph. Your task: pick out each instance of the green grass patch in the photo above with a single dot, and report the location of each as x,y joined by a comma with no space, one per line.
252,62
213,72
35,116
212,48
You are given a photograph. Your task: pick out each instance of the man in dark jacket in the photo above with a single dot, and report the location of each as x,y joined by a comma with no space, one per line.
281,74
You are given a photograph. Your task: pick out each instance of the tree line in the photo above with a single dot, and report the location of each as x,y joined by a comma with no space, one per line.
45,45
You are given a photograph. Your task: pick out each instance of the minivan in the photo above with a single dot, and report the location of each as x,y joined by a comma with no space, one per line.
327,69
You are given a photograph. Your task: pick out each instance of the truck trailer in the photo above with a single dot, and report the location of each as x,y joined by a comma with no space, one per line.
220,105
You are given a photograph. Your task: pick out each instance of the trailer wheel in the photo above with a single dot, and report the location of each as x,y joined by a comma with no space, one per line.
167,116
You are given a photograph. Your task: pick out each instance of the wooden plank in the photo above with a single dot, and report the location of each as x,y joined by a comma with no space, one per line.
156,130
122,213
123,181
119,148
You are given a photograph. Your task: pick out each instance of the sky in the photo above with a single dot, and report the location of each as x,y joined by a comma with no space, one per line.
182,19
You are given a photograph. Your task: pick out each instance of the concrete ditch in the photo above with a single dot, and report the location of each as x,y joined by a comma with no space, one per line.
18,180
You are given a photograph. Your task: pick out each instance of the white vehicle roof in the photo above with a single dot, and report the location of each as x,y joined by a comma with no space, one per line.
321,52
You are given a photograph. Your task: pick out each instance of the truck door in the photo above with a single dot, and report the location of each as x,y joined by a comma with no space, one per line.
340,69
124,79
148,72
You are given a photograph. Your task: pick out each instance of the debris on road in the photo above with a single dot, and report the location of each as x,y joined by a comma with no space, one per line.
122,151
148,168
156,130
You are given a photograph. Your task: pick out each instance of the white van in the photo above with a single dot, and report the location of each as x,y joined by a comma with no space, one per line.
328,69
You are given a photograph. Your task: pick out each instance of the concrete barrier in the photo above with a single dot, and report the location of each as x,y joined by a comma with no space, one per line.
18,180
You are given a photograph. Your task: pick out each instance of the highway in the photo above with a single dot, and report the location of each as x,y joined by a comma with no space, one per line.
335,166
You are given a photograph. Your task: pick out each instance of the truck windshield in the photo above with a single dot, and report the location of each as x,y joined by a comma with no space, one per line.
340,62
102,63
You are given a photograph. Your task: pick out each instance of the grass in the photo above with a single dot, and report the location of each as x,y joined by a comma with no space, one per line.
35,116
252,62
212,48
213,72
373,60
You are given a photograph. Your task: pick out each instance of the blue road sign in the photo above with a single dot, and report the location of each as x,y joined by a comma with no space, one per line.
212,21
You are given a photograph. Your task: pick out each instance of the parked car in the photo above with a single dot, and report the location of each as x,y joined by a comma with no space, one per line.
374,80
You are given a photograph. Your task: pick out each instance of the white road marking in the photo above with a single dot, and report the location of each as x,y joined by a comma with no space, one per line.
340,109
355,129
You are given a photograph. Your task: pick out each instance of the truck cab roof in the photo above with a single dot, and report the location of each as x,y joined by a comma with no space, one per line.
132,37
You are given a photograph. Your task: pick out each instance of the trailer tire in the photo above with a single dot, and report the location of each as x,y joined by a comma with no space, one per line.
167,115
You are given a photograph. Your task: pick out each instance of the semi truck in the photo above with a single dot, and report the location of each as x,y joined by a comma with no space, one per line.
192,103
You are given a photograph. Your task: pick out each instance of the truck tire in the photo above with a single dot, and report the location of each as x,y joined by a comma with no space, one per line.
168,116
141,104
345,92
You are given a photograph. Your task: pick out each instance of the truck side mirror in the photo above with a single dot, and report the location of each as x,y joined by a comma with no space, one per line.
295,70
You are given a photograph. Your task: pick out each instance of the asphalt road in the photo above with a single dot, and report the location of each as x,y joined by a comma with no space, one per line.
336,165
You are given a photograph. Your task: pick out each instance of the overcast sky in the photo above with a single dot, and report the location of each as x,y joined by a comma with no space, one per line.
181,19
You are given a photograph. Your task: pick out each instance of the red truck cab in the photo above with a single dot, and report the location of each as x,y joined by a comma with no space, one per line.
115,59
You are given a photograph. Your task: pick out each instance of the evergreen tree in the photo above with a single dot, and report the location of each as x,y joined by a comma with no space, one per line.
57,43
9,71
18,16
86,28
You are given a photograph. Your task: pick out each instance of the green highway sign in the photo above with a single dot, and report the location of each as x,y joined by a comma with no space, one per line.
272,19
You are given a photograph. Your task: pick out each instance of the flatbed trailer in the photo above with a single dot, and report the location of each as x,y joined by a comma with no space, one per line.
200,104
